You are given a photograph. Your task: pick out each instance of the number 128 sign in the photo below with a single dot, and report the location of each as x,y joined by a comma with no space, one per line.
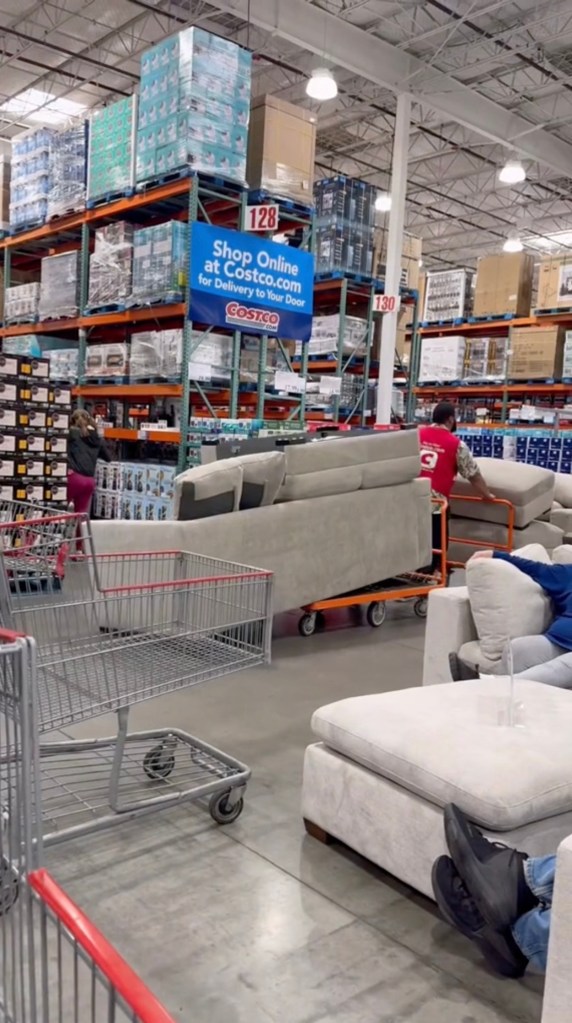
262,218
386,303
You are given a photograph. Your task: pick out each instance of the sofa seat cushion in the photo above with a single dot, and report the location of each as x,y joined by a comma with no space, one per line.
547,534
450,743
528,487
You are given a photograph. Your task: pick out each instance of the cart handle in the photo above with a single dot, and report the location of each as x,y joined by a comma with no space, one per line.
7,636
481,544
122,978
177,584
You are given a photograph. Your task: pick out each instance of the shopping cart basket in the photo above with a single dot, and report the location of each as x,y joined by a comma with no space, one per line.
55,967
115,630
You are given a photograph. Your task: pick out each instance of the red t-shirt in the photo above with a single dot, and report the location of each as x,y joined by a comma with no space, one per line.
439,450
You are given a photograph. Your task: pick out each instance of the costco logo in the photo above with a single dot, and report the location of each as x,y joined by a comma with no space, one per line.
247,316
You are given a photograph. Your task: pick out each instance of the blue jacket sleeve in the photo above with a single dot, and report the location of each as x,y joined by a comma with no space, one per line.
554,579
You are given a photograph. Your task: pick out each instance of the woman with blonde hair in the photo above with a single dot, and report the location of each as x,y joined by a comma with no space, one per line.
85,446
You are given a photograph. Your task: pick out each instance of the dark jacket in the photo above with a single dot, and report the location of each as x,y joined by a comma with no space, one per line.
83,452
556,581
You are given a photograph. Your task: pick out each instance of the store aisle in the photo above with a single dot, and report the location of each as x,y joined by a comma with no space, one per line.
258,923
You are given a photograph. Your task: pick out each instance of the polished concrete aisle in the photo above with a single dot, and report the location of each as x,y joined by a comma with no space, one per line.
256,922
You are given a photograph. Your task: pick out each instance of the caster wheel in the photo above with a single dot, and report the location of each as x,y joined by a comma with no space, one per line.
308,624
420,607
9,889
221,811
158,763
376,613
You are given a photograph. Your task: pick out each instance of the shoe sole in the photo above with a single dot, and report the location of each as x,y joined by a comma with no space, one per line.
496,911
499,965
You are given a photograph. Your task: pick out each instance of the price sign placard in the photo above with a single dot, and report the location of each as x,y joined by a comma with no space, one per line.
330,385
292,382
262,218
386,303
200,371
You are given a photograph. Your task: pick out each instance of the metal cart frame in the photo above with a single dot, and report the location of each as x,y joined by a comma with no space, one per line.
485,544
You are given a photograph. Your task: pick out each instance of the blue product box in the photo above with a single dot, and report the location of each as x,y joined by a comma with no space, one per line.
565,466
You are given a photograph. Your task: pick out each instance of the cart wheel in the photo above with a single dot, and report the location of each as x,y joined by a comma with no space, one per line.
158,763
376,613
308,624
221,811
420,607
9,888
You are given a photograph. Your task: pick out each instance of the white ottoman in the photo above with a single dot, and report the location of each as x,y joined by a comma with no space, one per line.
384,766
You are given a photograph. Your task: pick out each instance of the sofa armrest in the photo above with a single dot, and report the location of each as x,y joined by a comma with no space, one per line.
558,988
449,625
562,517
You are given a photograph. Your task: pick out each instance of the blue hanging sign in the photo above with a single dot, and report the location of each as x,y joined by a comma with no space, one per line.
250,284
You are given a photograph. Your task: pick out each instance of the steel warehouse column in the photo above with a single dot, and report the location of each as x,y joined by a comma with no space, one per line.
393,261
415,352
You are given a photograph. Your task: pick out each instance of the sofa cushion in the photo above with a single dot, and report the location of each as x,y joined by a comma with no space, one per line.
205,490
450,743
562,555
262,476
563,489
529,488
505,603
547,534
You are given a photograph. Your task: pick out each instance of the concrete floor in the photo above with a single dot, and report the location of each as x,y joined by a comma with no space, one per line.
256,922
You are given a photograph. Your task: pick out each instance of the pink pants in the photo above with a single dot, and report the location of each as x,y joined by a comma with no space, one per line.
80,491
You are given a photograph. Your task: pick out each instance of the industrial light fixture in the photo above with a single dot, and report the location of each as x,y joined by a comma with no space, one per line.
513,243
322,85
383,202
512,173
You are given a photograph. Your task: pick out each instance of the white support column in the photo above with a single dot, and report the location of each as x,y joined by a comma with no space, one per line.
393,259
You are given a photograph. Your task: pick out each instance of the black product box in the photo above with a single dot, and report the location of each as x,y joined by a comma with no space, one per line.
9,391
7,490
62,395
35,393
58,420
34,468
34,443
8,417
9,443
35,369
56,468
28,490
7,468
56,492
333,198
57,444
33,418
10,365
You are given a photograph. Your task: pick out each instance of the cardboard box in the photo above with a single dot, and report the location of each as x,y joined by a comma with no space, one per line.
442,359
281,149
504,284
536,353
555,282
410,257
402,342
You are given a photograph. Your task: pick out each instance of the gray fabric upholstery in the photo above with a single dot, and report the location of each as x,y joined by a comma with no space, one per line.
545,533
209,487
260,476
451,743
528,487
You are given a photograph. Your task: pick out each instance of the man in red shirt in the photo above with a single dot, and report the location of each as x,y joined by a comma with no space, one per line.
443,456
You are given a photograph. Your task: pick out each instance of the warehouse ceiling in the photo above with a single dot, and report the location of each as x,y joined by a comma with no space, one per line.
489,80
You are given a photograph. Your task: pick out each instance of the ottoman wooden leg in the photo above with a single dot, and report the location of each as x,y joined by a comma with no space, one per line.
317,832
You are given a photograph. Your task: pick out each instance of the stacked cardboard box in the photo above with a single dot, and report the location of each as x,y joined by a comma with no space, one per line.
555,282
111,158
328,331
111,265
34,420
410,258
68,169
275,360
156,355
107,362
60,286
281,149
31,178
442,359
138,491
485,358
447,295
160,263
345,217
504,284
194,107
536,353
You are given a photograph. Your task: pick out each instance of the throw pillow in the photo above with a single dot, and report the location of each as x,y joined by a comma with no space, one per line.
505,603
205,490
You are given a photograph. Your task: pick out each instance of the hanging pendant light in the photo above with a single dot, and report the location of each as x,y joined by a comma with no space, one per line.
322,85
512,173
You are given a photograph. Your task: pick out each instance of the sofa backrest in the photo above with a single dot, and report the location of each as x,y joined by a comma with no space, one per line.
336,466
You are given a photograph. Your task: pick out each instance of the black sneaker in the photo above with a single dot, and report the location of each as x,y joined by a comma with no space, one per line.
460,910
493,872
460,670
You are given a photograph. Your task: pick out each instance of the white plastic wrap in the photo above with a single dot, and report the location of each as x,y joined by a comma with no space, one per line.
111,266
60,284
68,168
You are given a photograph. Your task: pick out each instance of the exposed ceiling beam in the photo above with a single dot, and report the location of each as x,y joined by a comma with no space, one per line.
347,46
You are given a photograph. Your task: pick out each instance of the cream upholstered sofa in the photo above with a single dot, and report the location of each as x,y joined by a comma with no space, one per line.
336,514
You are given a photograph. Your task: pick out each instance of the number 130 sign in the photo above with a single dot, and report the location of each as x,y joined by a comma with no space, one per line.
262,218
386,303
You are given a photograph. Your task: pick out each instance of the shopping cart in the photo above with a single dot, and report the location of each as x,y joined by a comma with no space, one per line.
115,630
55,966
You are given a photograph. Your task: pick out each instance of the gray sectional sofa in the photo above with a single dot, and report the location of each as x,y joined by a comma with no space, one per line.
337,514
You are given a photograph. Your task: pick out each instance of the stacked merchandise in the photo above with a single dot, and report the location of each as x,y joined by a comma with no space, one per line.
5,179
504,285
410,259
327,332
111,158
34,418
447,295
156,355
60,286
21,303
485,359
204,434
194,107
442,359
31,178
534,447
138,491
63,364
281,149
63,361
111,267
345,219
68,162
538,353
160,263
350,391
108,362
211,356
278,359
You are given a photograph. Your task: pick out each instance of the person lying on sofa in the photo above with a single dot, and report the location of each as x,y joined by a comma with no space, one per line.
498,897
546,658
